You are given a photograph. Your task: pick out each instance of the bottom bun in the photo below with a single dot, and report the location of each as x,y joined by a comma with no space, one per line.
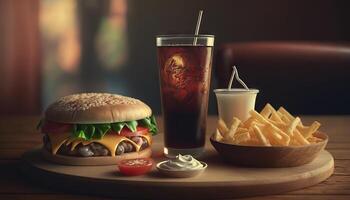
93,161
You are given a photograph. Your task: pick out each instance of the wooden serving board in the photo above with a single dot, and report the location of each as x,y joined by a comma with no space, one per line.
220,180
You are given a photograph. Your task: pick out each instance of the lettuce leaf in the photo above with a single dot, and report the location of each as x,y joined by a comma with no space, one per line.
117,127
90,131
150,123
97,131
131,125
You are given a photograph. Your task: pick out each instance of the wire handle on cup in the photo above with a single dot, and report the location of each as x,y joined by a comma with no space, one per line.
233,75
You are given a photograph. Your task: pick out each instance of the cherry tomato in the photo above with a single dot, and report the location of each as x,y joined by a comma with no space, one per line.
135,167
139,131
54,127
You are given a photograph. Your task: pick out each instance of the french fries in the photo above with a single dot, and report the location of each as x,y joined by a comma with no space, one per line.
218,136
261,136
223,130
233,128
268,128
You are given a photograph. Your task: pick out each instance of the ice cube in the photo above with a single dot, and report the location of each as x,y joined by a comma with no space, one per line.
174,71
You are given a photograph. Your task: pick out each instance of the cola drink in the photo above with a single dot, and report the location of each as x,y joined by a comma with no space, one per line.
184,80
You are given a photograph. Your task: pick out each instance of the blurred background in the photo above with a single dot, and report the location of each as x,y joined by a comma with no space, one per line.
296,52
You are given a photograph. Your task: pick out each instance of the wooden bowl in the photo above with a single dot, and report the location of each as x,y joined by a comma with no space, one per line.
275,156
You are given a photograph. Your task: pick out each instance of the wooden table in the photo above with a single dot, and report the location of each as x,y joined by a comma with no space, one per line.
18,134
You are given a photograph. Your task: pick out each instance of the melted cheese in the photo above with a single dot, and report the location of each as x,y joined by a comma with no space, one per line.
110,141
148,138
56,140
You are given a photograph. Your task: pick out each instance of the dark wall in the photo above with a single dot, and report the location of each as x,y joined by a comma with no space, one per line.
229,21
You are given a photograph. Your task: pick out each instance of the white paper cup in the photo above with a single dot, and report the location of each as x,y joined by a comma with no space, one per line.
235,103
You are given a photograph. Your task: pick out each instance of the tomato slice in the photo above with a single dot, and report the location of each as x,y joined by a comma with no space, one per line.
135,167
139,131
54,127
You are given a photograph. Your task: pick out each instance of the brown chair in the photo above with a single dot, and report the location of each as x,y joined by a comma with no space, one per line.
305,77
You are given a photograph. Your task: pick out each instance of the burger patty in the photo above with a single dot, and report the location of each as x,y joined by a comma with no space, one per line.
96,149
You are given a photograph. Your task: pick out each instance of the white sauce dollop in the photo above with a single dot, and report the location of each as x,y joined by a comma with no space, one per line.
186,162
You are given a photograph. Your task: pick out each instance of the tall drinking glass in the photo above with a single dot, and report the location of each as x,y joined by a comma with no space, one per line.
184,70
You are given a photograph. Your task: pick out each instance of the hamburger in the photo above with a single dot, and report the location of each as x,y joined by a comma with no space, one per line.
97,129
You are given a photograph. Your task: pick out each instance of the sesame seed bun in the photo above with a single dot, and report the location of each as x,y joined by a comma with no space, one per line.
93,108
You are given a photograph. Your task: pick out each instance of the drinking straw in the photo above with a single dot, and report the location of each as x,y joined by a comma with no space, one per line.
235,74
239,79
231,79
197,27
